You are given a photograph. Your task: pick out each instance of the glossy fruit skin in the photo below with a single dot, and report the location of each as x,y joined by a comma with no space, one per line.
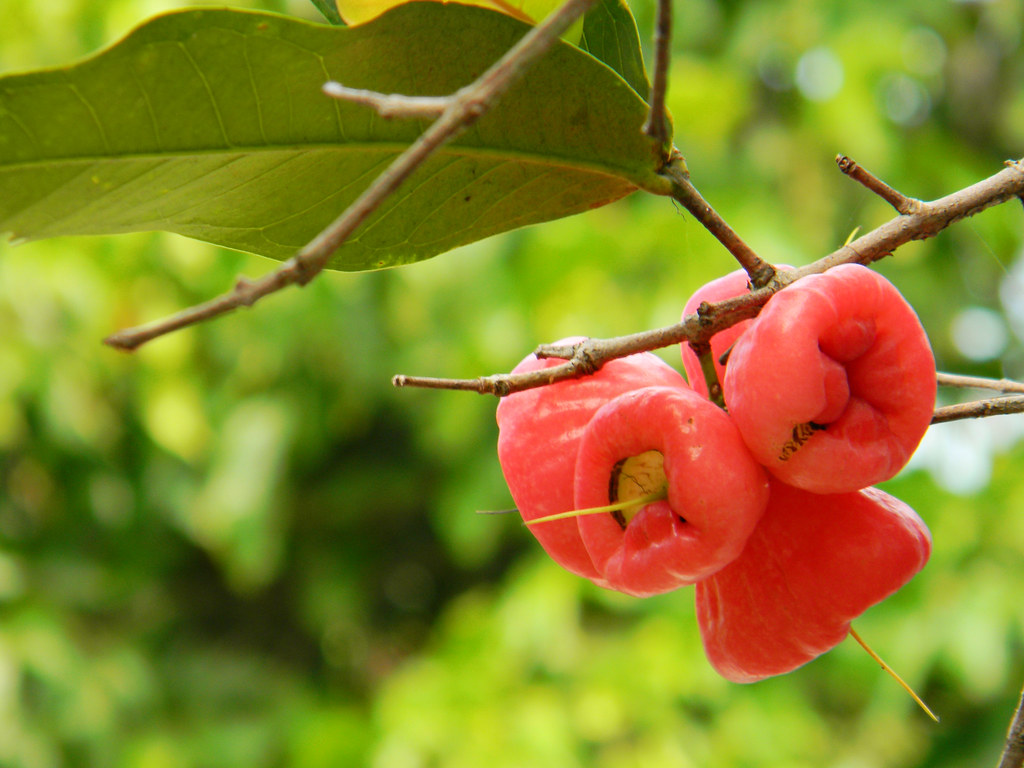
833,384
813,564
725,287
538,436
714,485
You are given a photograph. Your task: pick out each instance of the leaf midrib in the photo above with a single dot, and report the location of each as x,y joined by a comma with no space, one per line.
534,158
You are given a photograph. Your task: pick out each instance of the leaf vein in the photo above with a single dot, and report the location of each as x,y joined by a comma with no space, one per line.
209,92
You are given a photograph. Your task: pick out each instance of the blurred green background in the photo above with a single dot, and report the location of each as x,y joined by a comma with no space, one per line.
242,547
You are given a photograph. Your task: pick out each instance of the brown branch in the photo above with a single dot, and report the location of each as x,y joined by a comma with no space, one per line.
466,106
656,126
1013,751
979,409
761,272
930,219
591,354
897,200
977,382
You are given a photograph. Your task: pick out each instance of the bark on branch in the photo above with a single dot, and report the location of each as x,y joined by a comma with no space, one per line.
926,220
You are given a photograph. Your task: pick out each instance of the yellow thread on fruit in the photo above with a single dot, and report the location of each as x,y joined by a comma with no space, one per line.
639,501
892,672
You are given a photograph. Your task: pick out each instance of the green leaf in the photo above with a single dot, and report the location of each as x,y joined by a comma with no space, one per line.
211,124
610,34
329,8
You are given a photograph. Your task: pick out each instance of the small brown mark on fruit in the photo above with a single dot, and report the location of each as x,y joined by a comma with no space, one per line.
801,434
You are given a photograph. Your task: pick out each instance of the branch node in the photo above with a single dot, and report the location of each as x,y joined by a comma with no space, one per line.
704,311
500,386
762,275
584,364
246,291
472,103
304,268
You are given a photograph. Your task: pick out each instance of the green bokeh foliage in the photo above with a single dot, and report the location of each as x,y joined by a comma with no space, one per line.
242,547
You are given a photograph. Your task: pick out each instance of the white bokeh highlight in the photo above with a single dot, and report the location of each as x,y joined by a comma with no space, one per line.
819,74
979,333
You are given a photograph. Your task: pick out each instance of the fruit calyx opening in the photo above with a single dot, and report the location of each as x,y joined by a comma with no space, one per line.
635,477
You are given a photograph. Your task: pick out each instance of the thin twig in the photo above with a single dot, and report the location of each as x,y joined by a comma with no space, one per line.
978,409
977,382
899,201
467,106
656,126
390,105
591,354
707,367
1013,751
761,272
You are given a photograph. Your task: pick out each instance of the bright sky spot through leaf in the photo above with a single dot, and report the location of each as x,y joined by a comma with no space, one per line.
211,124
529,11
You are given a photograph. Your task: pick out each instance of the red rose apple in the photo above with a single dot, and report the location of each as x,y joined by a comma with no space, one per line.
671,438
538,437
833,384
813,564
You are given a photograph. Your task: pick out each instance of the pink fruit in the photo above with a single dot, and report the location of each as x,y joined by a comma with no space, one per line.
716,492
539,433
814,563
833,384
726,287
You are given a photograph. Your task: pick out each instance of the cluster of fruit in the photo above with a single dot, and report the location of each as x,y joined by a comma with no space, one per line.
767,507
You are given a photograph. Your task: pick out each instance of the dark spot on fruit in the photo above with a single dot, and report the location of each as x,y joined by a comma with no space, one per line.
801,434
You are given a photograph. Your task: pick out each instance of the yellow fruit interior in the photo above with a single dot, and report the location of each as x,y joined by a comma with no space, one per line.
637,476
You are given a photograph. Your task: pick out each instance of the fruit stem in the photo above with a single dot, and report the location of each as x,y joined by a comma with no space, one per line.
707,367
892,672
637,502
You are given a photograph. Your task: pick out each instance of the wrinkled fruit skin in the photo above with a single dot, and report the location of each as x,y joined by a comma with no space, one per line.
538,436
725,287
716,491
833,384
814,563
